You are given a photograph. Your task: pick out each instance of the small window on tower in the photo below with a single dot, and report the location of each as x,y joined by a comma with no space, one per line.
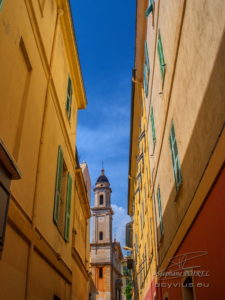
100,272
101,200
100,235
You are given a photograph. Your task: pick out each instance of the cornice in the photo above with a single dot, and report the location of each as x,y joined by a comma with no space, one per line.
71,47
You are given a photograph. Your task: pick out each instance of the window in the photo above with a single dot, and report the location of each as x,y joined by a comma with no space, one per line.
100,273
188,289
153,127
161,57
175,158
146,70
69,98
160,211
150,7
100,235
63,191
101,200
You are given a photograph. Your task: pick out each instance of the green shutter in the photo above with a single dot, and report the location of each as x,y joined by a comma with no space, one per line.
69,97
68,207
153,127
145,81
1,3
150,7
58,184
160,211
146,70
161,56
175,158
147,57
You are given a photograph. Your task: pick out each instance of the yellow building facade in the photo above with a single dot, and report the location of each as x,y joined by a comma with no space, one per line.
180,48
44,250
140,204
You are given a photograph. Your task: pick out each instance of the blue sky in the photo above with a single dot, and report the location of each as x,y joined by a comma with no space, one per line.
105,32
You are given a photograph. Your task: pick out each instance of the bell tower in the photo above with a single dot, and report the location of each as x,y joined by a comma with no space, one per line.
101,244
102,211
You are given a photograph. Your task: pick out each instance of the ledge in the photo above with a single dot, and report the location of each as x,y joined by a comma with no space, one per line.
8,162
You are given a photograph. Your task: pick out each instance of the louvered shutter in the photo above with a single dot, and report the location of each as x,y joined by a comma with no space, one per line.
160,211
175,157
153,126
1,3
150,7
69,97
146,70
58,185
68,207
161,56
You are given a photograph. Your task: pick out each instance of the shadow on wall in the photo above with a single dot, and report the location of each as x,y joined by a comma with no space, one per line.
208,127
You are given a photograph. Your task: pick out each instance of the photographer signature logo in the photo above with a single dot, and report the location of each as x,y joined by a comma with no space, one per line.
184,265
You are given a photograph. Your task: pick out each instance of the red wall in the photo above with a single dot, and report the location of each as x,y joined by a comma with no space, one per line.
206,234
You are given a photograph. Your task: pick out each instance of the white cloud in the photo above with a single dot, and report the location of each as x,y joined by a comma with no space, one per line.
120,219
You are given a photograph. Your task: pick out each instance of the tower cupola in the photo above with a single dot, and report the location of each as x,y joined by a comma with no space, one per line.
102,181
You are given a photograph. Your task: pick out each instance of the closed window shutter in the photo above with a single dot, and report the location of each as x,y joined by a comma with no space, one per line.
161,56
58,184
145,81
153,126
68,207
146,70
160,211
147,57
150,7
175,158
69,97
1,3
